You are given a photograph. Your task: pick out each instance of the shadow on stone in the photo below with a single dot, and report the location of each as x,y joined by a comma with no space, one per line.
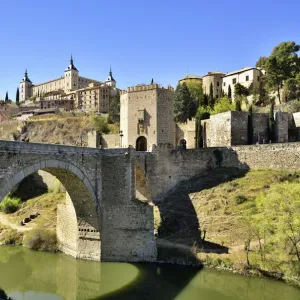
30,187
179,225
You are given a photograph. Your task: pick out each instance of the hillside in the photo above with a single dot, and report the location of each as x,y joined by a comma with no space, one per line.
53,129
239,213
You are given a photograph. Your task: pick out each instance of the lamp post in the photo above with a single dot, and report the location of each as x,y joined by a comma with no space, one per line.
121,135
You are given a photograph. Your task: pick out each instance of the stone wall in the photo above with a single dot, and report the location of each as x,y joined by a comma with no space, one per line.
179,166
281,127
67,228
110,141
260,125
225,129
186,131
128,224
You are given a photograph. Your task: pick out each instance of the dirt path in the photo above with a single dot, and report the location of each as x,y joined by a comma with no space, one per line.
5,221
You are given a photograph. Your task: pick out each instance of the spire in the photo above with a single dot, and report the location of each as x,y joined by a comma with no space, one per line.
71,65
26,76
110,76
152,82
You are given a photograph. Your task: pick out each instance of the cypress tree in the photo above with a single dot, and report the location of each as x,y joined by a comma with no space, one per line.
271,122
211,101
182,103
238,105
17,97
229,92
6,97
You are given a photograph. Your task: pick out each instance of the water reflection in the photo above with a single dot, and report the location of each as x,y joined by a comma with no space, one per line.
26,274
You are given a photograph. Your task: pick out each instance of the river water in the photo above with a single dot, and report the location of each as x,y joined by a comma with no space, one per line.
30,275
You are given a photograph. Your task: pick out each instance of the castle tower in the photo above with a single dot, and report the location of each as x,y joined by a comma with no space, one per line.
71,77
25,88
110,80
147,116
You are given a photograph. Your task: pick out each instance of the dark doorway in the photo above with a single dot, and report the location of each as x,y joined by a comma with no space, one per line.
182,144
141,144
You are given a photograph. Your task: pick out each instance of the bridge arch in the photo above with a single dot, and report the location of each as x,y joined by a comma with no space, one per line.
78,228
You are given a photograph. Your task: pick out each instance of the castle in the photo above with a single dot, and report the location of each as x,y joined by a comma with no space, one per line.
69,92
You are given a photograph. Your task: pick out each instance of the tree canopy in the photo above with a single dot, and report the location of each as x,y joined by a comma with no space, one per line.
114,108
184,104
282,64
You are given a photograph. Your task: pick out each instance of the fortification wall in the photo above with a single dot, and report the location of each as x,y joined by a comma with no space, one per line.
260,124
186,131
239,128
281,127
177,166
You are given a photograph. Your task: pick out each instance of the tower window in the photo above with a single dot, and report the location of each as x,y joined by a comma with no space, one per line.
247,78
234,80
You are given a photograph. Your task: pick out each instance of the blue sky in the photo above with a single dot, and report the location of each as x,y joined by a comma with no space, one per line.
163,39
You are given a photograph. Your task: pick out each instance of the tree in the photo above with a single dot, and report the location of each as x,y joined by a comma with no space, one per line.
271,122
6,97
114,108
196,92
211,100
238,106
240,90
280,210
291,88
229,92
182,103
205,99
17,97
100,124
261,62
223,104
282,64
202,114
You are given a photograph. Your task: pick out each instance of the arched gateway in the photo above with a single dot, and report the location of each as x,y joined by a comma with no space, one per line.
97,221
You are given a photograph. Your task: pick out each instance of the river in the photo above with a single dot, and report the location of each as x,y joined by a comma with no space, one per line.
31,275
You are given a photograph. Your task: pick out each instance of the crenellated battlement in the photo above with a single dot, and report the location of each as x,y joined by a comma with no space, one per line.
139,88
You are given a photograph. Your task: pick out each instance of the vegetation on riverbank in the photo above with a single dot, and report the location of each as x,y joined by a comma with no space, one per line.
257,218
39,233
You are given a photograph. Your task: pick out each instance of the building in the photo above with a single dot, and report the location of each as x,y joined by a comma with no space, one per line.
191,79
69,91
147,116
248,77
214,79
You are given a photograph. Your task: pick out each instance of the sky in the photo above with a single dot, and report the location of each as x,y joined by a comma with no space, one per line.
139,39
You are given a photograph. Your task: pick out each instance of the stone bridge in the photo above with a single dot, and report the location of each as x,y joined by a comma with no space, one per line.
103,218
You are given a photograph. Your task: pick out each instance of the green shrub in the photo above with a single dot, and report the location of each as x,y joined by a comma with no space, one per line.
239,199
100,124
41,239
10,205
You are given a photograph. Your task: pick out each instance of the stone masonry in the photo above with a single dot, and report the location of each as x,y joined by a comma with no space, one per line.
108,221
111,225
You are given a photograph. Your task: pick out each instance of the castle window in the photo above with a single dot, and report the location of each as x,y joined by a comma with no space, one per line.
247,78
217,83
234,81
224,83
257,78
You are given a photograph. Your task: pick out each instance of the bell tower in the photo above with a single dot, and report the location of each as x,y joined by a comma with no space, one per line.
25,87
71,77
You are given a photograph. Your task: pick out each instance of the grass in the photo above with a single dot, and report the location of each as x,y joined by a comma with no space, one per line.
9,236
221,210
46,205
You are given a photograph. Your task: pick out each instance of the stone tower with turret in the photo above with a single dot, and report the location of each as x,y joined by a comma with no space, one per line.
25,87
71,77
147,116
